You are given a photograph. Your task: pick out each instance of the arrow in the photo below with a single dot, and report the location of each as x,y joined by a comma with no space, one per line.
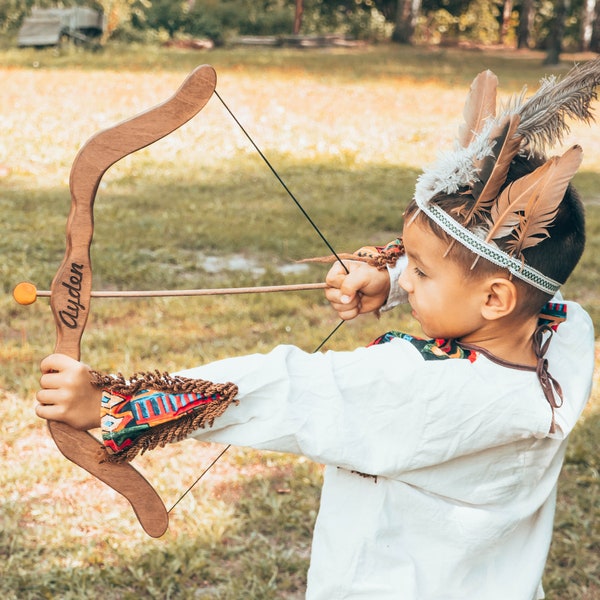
26,293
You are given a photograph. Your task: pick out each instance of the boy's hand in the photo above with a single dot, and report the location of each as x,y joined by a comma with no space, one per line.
365,289
67,393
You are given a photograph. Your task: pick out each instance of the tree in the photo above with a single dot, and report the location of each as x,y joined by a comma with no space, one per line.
507,7
587,23
526,16
117,13
166,14
407,13
298,16
557,31
594,45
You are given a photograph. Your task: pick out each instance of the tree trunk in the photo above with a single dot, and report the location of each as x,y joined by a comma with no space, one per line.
557,30
587,23
298,16
526,15
407,13
506,15
595,37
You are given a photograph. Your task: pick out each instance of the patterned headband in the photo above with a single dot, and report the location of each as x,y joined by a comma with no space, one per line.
522,212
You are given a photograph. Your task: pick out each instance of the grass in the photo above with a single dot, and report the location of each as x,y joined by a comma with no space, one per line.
348,131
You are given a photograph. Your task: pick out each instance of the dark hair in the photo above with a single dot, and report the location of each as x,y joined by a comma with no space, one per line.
555,256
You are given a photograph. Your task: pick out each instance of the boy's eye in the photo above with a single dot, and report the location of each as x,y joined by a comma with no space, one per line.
418,272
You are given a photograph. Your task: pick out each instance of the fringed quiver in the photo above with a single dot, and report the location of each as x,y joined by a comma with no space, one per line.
153,409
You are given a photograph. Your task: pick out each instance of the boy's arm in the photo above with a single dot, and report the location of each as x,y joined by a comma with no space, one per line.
137,414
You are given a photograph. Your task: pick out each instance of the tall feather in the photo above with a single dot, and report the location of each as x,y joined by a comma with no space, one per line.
527,208
544,116
479,106
493,168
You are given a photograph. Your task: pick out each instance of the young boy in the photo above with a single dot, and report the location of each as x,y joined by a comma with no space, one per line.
442,454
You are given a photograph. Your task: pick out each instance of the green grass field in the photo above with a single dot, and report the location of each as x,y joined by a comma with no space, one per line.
348,131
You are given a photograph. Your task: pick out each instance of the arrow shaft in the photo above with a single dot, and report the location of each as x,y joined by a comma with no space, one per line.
200,292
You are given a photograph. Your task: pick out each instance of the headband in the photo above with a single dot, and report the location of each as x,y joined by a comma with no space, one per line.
519,215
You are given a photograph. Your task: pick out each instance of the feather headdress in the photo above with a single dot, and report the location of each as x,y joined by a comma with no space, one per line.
477,168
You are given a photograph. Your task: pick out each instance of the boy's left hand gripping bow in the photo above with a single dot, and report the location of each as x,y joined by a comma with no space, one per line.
72,284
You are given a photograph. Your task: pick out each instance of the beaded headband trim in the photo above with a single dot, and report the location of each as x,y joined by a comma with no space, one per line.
521,214
492,253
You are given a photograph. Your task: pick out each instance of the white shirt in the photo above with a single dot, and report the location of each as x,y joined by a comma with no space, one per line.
463,500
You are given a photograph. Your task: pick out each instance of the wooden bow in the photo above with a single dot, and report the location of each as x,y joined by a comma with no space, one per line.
72,285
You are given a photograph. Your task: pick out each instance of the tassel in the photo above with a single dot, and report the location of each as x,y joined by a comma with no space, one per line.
376,257
155,380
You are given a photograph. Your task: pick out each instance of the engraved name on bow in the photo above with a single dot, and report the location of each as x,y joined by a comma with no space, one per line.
69,315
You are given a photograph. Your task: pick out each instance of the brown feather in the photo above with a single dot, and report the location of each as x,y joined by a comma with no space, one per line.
527,208
505,215
494,169
479,106
543,206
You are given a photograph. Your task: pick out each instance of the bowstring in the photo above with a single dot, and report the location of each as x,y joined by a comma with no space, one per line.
283,184
212,464
320,234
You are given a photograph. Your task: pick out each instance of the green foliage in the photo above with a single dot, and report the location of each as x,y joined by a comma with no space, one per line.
163,14
478,22
213,20
12,13
440,21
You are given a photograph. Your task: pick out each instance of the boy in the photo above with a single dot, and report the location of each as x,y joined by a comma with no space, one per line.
442,454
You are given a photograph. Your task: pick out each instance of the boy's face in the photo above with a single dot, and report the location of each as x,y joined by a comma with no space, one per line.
445,300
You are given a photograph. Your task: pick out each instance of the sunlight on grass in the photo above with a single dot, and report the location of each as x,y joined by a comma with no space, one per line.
348,132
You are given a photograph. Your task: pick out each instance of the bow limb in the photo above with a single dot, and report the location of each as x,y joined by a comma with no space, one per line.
72,285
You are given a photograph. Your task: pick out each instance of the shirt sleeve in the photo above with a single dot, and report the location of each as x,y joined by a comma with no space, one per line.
381,410
340,408
397,294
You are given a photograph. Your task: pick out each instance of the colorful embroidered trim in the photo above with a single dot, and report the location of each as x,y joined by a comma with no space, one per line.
154,409
437,349
553,314
382,256
488,251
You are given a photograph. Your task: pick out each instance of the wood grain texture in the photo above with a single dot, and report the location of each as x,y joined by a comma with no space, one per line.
71,288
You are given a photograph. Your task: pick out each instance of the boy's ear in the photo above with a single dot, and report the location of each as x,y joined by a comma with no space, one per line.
501,298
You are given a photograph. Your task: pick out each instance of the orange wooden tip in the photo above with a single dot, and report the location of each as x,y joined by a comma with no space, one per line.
25,293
